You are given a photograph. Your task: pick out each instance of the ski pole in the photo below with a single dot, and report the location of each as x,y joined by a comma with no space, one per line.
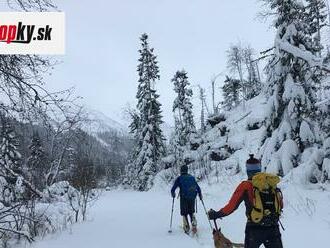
216,225
207,216
170,231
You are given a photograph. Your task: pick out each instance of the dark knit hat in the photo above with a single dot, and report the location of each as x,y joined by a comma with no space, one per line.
184,169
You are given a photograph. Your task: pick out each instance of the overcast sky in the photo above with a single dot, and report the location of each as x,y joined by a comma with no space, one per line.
102,45
102,42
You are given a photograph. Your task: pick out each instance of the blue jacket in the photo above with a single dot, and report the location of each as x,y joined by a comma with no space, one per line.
188,187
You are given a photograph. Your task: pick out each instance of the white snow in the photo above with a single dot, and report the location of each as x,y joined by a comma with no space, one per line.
288,151
305,133
125,219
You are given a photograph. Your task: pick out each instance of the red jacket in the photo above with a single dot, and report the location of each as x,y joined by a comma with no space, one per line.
244,192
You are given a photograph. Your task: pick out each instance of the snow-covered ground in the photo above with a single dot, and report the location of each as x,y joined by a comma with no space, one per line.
123,219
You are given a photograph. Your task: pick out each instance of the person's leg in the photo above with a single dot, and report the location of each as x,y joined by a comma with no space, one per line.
183,206
184,213
186,227
193,220
191,211
274,239
252,237
192,205
193,223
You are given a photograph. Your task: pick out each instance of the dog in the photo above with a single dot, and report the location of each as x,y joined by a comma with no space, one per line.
220,241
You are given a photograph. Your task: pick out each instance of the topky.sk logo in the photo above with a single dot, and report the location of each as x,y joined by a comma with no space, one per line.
32,33
21,33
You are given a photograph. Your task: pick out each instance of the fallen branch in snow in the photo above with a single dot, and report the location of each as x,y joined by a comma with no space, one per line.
243,117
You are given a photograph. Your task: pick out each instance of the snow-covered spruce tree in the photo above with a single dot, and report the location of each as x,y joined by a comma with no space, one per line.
134,128
177,144
292,81
150,140
231,93
316,16
135,123
36,162
182,107
184,125
9,148
10,163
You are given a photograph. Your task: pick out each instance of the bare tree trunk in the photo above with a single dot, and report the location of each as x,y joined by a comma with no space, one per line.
213,96
240,73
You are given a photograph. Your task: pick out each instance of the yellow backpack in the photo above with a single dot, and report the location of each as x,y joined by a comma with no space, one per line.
267,205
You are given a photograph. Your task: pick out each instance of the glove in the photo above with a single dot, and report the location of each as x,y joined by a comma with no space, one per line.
213,215
173,194
200,196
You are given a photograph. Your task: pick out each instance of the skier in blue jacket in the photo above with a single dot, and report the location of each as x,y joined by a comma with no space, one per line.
188,192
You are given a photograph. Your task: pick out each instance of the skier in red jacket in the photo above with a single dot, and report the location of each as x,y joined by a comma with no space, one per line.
256,234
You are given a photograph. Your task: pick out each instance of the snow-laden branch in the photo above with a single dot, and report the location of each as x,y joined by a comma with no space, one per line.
311,59
25,182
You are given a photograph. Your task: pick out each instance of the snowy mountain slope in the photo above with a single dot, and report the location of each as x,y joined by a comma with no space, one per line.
231,141
106,131
99,123
243,131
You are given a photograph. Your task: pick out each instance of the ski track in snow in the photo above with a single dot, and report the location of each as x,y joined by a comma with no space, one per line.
124,219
